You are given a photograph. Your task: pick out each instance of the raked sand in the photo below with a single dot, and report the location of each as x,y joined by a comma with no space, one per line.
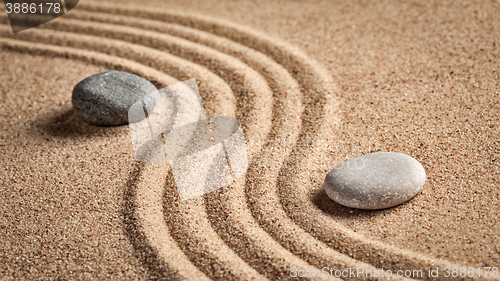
314,83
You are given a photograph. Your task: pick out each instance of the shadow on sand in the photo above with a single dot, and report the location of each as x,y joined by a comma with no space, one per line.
328,206
66,123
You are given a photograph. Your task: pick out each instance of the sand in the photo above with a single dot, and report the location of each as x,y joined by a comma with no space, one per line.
314,84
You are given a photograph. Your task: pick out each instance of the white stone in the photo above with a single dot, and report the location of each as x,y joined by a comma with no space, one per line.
375,181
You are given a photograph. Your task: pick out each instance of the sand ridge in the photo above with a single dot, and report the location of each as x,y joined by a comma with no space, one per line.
259,227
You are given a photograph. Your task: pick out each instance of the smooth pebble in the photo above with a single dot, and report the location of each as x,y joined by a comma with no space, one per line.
105,98
375,181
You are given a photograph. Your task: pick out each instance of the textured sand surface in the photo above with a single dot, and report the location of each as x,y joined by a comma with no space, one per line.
314,84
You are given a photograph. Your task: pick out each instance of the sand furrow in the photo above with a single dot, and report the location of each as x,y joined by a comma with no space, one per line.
283,90
271,173
314,142
277,217
347,242
150,217
289,221
224,260
190,226
321,255
145,55
211,85
167,260
53,35
287,96
156,77
261,211
267,174
287,89
248,86
147,215
325,256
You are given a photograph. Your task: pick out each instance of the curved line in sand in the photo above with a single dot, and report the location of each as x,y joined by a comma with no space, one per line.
182,69
52,37
290,93
281,129
239,76
222,254
149,213
149,216
156,77
307,78
278,50
259,62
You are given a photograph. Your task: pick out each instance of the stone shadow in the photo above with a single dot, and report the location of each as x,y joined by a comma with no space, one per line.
321,200
66,123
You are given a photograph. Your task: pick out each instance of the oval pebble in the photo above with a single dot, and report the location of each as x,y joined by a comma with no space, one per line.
105,98
375,181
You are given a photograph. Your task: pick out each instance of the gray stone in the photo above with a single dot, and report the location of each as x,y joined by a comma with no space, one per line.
375,181
105,98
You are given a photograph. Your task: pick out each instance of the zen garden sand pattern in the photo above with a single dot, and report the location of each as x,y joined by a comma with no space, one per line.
313,84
